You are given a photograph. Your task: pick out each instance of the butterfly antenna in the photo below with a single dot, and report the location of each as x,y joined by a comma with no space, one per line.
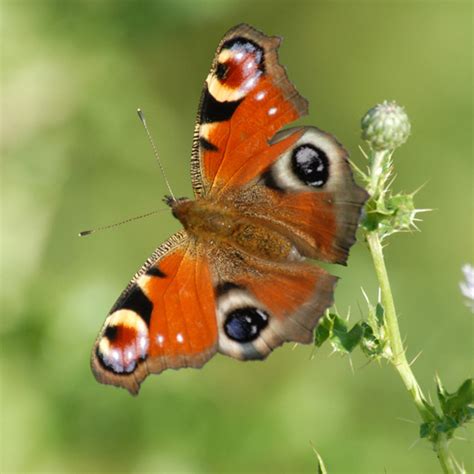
92,231
141,115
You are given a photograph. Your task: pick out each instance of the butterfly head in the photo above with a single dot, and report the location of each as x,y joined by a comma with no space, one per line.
180,207
172,201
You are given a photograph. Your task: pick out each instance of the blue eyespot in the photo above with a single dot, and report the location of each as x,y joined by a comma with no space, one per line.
245,324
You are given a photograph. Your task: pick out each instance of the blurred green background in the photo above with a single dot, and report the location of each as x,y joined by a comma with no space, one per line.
75,156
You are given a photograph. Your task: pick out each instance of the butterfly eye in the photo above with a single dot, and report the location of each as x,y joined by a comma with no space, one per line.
311,165
245,324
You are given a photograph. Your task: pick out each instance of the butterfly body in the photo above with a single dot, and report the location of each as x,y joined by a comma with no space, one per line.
216,224
236,279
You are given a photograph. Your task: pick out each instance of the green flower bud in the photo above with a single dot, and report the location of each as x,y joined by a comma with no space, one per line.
385,126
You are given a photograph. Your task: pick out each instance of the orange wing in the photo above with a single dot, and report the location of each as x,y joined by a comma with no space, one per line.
247,98
164,319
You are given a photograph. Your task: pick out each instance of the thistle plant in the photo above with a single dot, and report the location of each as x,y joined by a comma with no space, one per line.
385,128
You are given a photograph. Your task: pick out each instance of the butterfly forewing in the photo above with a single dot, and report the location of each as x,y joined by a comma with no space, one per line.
247,98
164,319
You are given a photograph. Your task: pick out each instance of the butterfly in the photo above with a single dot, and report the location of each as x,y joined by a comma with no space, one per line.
236,280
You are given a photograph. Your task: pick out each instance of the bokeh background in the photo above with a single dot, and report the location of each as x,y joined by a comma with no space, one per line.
74,156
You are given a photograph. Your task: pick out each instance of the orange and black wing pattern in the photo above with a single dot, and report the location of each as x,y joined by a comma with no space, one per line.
164,319
247,98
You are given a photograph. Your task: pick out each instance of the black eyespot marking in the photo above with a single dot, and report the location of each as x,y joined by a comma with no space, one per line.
224,287
110,333
247,46
155,271
214,111
221,71
137,302
269,181
311,165
245,324
207,145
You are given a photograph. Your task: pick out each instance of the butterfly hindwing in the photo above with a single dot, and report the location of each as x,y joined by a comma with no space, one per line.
307,194
164,319
266,304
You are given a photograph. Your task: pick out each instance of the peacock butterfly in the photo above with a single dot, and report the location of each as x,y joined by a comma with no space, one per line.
235,280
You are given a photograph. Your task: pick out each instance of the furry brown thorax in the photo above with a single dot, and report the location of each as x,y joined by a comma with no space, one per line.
217,223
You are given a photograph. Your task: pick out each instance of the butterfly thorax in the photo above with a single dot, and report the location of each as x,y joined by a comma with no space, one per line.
216,222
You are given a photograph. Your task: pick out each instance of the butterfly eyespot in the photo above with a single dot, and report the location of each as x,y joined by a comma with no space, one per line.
311,165
245,324
124,342
243,47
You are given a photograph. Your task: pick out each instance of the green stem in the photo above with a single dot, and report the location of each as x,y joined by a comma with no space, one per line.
376,170
445,457
398,356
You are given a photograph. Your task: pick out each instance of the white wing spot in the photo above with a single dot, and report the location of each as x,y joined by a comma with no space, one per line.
179,338
143,343
160,339
250,83
272,111
260,95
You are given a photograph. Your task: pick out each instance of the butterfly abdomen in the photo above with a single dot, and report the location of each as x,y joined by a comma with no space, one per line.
216,222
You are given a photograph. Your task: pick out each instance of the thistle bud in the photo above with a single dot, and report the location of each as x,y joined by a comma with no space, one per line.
385,126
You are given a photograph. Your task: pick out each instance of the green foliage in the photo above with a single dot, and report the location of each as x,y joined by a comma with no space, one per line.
370,335
333,328
370,344
457,409
393,213
321,466
385,212
342,338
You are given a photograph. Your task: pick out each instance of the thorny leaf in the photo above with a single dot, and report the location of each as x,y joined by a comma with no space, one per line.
457,409
334,328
